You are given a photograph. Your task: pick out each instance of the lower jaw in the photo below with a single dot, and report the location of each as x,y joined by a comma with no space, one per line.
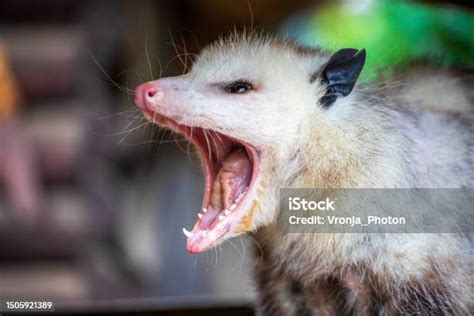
236,223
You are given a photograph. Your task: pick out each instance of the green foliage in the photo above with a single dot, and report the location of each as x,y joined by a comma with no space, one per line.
395,33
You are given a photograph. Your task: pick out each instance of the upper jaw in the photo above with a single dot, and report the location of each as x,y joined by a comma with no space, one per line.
233,216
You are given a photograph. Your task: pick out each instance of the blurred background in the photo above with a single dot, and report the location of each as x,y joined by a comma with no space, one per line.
92,200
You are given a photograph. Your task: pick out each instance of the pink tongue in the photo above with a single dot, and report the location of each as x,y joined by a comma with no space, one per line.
232,179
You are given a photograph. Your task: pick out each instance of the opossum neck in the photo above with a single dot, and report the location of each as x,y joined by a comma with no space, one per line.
349,151
328,160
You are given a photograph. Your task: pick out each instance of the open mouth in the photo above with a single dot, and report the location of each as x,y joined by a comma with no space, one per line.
231,168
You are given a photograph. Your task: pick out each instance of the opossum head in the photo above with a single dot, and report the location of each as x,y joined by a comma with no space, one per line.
247,106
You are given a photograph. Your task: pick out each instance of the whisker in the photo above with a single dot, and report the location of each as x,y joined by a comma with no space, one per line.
218,152
251,16
178,56
123,113
121,88
147,57
160,65
186,55
146,142
133,129
176,48
243,253
207,143
237,249
257,244
198,46
219,137
191,137
126,130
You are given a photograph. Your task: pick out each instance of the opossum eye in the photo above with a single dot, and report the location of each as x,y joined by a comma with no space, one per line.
341,73
238,87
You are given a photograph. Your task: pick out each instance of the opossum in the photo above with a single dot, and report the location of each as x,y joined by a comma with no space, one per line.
266,113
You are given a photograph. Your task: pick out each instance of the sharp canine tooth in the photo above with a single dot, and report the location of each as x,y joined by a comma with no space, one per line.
199,215
204,210
221,217
226,212
233,206
186,233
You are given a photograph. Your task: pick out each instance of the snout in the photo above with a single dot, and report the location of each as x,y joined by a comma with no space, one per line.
145,95
164,97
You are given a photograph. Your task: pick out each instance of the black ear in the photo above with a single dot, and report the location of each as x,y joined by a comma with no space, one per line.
340,74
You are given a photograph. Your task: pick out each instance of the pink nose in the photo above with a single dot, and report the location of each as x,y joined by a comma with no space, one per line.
144,93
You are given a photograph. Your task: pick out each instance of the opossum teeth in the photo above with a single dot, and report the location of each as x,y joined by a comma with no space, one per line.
227,212
221,217
241,195
232,207
186,232
200,215
204,210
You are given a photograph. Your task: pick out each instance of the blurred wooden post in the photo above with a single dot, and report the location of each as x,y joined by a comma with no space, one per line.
9,94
